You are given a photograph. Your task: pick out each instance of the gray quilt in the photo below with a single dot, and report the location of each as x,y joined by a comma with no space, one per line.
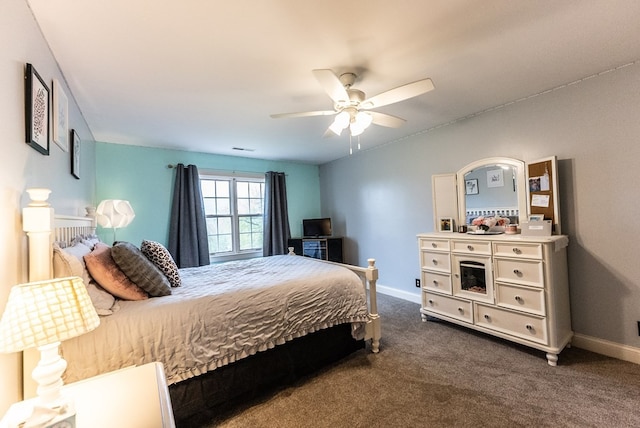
222,313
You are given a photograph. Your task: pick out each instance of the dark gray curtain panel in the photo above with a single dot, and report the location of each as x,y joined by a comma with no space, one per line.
188,242
276,215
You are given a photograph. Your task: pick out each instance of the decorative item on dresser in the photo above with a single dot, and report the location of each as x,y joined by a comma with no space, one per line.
223,305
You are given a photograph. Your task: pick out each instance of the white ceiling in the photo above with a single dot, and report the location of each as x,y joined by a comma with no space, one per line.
205,75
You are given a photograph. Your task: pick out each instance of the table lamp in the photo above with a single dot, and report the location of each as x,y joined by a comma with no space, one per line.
42,314
115,214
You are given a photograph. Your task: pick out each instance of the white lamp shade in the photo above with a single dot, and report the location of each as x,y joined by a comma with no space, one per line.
45,312
114,213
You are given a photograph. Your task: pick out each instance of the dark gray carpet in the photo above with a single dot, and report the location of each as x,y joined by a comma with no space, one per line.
439,375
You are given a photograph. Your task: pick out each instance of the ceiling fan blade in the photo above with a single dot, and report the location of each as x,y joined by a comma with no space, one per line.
305,114
332,85
387,120
328,133
400,93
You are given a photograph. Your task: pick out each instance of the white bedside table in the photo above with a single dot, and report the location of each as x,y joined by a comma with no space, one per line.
133,397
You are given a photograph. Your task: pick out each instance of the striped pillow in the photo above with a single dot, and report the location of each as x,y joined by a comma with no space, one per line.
140,270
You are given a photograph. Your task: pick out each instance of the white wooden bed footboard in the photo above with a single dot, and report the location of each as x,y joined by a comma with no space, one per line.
369,276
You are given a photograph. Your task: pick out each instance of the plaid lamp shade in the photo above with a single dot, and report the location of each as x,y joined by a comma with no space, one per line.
45,312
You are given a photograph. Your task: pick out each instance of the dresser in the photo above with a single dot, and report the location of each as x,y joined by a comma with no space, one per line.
510,286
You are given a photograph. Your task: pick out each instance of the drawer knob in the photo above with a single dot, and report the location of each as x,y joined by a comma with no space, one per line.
461,310
517,272
434,261
470,247
435,282
433,244
517,250
529,327
518,299
430,302
487,317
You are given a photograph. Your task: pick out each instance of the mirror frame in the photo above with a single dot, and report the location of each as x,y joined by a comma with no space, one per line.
518,165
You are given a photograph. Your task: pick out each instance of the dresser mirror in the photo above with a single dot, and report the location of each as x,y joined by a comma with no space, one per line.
490,187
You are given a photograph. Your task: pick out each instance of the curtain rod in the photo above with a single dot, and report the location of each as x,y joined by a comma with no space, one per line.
223,170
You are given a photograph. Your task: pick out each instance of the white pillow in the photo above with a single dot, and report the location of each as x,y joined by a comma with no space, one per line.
69,261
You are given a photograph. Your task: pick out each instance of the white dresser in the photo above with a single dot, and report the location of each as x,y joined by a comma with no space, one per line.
511,286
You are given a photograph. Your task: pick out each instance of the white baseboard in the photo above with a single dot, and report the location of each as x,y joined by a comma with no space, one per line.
400,294
593,344
605,347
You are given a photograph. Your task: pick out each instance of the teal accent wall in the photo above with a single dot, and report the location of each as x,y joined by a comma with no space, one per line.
141,176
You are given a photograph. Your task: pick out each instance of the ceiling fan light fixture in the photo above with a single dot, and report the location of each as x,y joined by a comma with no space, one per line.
340,122
360,122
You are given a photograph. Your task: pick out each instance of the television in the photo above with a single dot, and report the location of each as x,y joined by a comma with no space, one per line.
316,227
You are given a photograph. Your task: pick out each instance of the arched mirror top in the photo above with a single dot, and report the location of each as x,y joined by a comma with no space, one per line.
490,187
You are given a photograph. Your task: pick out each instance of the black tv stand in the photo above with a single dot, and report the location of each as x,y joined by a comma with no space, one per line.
323,248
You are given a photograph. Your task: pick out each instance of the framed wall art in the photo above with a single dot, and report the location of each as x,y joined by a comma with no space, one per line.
445,224
471,186
60,116
495,178
36,111
75,154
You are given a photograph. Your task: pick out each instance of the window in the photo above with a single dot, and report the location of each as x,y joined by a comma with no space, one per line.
233,208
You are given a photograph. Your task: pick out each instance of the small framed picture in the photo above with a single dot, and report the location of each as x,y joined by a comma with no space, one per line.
60,116
445,224
75,154
471,186
36,111
536,217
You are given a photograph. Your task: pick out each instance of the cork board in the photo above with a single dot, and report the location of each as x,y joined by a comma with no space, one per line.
542,190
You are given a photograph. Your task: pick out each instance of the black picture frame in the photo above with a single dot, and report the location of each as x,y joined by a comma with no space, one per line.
75,154
471,186
37,108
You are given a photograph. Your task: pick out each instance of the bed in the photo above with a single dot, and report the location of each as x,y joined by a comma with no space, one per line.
230,330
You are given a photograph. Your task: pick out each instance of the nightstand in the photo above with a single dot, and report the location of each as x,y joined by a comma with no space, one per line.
133,397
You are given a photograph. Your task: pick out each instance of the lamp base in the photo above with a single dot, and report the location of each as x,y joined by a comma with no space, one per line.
51,407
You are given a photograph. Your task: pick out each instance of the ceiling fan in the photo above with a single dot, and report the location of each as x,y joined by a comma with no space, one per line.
351,106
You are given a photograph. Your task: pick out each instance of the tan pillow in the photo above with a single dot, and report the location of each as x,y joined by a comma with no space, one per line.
105,271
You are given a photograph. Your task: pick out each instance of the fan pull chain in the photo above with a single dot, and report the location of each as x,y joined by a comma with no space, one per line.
350,145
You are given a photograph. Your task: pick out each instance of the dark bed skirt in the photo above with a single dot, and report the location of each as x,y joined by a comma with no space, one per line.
201,399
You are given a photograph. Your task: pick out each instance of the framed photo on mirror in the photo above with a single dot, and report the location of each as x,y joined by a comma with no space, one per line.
471,186
36,111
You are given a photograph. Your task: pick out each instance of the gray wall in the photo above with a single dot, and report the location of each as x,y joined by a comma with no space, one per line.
381,198
22,167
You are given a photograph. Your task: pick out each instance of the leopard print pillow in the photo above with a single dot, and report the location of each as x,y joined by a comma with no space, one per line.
161,257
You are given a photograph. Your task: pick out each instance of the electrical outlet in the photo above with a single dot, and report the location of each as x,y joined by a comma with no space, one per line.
418,285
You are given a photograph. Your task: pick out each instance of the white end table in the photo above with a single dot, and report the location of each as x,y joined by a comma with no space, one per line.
133,397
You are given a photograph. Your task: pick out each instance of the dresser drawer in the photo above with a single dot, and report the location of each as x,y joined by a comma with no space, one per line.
527,272
528,327
439,282
434,244
447,306
514,249
435,261
521,298
472,247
